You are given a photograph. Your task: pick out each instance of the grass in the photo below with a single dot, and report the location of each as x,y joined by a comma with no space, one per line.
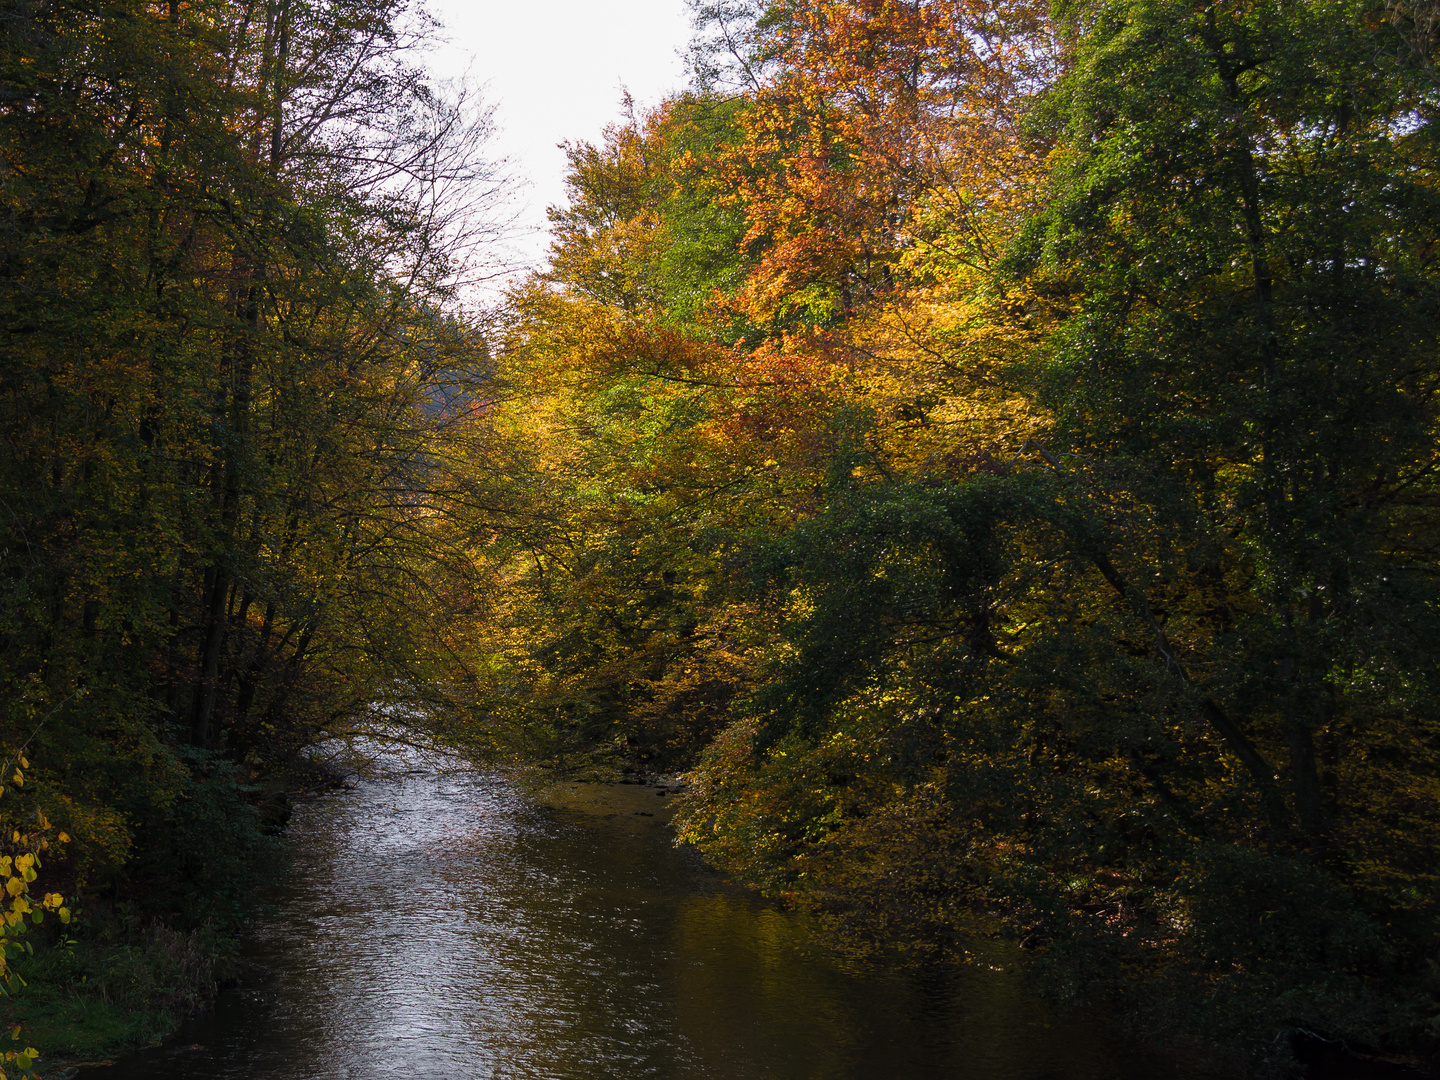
91,1000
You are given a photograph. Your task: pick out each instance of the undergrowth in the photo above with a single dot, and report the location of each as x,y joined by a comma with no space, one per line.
86,1000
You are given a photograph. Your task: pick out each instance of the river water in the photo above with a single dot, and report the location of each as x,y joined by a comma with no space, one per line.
450,925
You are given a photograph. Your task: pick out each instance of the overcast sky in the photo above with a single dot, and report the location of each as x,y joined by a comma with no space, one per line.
555,70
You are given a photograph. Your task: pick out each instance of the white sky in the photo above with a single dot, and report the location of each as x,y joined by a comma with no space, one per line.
555,69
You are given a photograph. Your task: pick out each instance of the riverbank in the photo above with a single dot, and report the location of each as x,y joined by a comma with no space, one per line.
652,797
89,1000
120,977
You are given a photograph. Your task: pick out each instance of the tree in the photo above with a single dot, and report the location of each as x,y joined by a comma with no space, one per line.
1153,684
229,385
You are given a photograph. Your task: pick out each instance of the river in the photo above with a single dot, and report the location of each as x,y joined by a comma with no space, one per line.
448,924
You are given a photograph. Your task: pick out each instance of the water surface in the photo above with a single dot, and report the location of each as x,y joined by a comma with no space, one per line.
447,925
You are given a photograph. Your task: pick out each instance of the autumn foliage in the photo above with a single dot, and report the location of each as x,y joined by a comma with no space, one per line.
991,447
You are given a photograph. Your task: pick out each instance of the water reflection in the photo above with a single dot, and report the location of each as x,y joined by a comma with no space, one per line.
448,926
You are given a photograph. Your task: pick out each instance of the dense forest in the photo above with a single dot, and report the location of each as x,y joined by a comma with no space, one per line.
990,446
